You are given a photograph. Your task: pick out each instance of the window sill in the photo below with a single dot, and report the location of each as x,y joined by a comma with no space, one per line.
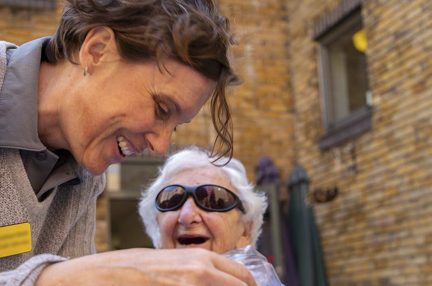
358,123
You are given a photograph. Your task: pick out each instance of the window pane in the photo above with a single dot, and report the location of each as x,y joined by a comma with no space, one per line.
348,76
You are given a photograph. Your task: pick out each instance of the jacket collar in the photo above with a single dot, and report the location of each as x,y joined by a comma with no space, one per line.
18,97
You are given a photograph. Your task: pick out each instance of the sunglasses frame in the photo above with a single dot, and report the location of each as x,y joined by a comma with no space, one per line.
191,191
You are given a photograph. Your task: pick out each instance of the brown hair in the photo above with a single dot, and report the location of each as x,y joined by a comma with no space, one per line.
190,31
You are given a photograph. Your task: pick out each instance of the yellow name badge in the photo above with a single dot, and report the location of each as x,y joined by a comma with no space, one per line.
15,239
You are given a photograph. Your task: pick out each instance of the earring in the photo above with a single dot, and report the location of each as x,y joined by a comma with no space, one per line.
85,70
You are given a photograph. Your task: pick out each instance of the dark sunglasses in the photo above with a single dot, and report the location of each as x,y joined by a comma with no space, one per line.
210,198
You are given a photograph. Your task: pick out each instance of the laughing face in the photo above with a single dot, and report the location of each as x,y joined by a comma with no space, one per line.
127,108
191,226
118,107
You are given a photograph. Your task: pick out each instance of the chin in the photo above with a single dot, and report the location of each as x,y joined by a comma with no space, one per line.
95,170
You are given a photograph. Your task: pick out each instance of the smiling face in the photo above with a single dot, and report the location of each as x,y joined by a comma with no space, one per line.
118,108
191,226
127,108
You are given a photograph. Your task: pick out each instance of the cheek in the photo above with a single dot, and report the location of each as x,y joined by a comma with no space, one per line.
140,120
220,228
226,231
167,223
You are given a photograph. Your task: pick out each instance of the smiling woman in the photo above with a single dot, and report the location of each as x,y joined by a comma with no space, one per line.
195,204
116,78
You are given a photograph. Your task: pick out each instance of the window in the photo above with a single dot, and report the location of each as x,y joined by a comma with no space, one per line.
125,228
343,74
33,4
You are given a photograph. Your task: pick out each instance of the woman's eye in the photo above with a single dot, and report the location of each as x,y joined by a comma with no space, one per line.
161,112
161,109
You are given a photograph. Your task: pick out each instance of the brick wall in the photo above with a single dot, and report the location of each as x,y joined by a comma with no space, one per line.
262,107
378,230
18,25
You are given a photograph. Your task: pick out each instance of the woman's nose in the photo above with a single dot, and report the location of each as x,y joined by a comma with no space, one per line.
189,213
158,142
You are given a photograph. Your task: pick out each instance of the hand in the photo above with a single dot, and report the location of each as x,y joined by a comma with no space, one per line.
193,266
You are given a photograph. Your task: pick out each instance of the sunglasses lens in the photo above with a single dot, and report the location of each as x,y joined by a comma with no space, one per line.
215,198
170,197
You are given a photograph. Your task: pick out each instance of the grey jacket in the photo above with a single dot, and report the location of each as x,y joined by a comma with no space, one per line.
62,225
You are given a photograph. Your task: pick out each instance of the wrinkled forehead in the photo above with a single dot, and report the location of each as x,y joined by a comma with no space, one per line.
202,175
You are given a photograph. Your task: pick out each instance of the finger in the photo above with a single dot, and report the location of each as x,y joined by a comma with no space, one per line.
228,279
232,268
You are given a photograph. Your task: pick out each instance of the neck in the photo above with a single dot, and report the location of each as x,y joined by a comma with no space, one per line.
52,89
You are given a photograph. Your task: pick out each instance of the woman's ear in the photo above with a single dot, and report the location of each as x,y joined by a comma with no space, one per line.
99,46
244,240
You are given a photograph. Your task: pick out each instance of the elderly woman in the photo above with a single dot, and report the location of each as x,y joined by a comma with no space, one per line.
117,77
195,204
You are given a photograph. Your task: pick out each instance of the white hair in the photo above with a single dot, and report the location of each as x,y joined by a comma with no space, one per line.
255,203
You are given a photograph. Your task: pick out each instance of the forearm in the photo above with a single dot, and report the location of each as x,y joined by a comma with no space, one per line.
27,273
147,267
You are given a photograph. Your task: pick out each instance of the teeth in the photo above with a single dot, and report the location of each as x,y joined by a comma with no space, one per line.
123,145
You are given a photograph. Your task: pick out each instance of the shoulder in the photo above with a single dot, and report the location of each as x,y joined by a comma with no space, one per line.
95,183
4,46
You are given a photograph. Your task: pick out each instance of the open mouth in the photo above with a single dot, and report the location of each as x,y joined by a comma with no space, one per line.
191,240
123,146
